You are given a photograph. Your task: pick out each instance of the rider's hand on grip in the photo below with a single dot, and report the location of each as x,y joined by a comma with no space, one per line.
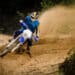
36,38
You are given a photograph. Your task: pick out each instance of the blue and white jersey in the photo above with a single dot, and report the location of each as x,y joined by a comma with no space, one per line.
32,25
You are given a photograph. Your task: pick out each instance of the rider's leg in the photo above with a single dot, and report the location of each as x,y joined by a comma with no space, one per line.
29,43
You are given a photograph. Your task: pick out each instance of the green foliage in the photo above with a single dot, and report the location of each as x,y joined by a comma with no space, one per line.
49,3
68,67
67,2
46,4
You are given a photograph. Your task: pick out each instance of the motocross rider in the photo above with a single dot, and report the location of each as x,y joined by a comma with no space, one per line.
31,22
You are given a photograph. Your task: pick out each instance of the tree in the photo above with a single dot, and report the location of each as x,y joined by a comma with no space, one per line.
46,4
49,3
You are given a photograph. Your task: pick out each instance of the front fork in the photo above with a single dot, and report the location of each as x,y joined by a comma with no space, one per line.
18,45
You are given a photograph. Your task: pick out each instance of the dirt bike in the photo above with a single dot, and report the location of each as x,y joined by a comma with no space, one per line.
16,43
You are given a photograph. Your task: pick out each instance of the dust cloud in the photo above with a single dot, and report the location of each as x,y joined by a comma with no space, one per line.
58,20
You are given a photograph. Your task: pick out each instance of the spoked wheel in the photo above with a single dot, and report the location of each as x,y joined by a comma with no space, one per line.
12,48
7,49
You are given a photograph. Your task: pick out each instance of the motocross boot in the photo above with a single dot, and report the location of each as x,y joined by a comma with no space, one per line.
28,51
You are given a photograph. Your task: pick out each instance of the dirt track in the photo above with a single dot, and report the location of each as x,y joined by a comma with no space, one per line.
51,49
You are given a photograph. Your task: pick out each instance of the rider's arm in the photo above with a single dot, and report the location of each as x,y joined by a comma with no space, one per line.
36,38
37,27
23,24
37,31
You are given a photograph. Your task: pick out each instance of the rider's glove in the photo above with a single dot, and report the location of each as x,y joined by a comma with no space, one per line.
36,38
